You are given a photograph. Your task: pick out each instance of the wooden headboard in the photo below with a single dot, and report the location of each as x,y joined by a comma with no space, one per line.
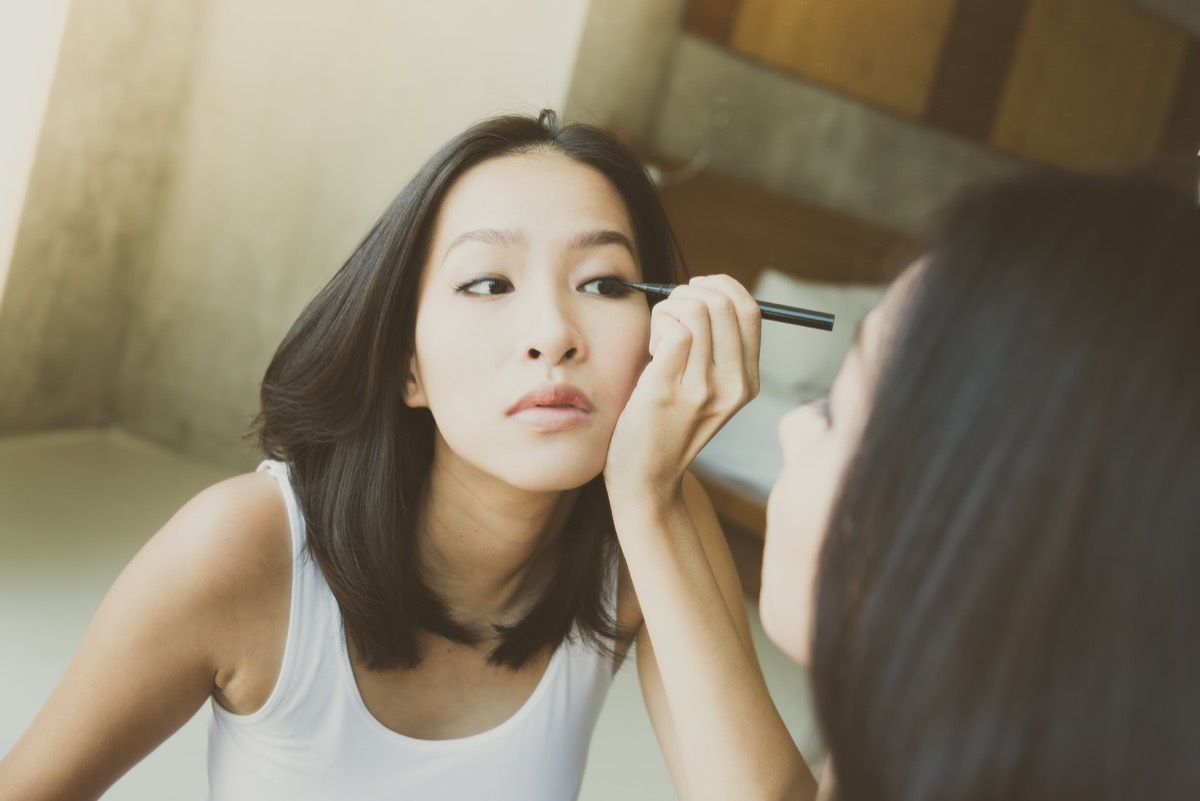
726,225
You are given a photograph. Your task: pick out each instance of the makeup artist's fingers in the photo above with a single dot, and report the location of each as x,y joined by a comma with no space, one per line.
670,346
749,325
695,380
729,349
728,381
690,310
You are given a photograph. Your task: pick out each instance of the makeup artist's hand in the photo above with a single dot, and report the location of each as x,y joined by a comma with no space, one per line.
704,344
718,729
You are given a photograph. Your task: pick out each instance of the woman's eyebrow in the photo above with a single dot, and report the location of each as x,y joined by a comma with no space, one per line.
599,238
489,236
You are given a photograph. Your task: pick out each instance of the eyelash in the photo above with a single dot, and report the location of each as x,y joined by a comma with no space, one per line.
466,286
619,290
822,407
616,288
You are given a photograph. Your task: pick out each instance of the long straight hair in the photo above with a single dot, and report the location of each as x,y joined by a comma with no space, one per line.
359,458
1008,603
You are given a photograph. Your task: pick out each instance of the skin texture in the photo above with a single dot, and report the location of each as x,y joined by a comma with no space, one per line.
509,304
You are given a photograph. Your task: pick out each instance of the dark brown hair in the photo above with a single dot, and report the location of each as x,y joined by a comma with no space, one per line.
359,458
1008,603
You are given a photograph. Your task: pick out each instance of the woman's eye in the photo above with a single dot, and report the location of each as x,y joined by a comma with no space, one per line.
821,407
607,287
488,285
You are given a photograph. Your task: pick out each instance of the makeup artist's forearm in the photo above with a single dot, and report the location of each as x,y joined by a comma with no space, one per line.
730,736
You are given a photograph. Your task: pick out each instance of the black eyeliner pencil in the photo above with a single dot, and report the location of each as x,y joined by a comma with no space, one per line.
770,311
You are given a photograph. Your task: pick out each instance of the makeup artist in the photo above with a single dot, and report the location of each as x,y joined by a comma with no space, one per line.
986,545
475,501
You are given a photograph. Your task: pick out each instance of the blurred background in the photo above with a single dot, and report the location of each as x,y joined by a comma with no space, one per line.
178,179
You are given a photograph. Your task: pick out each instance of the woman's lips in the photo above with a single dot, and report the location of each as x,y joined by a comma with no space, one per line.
552,407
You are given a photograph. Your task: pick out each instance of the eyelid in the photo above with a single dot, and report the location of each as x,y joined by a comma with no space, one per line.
465,287
618,286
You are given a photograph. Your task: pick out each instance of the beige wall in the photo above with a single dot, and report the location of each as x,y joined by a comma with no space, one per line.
164,261
811,143
622,63
98,178
30,34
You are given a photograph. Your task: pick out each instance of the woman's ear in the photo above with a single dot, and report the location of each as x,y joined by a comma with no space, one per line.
414,395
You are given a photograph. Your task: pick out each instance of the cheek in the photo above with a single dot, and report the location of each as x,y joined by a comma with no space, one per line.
628,349
796,514
447,357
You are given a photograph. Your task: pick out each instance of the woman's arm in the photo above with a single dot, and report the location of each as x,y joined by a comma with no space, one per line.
164,639
718,727
719,730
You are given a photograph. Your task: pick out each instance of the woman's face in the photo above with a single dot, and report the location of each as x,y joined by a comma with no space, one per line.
818,441
526,347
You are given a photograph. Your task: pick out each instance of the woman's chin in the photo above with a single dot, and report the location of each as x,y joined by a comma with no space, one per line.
788,633
556,478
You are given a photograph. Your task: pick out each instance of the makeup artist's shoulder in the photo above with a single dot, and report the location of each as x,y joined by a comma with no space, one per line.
232,537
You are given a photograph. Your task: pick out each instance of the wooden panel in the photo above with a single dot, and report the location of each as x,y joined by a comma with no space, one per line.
1181,133
725,225
1091,84
883,52
976,55
711,19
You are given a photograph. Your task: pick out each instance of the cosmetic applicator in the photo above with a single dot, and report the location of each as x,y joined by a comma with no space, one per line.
770,311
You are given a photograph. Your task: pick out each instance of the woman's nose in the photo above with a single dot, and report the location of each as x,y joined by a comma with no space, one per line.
553,334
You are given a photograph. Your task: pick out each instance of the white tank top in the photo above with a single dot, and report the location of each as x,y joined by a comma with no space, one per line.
314,738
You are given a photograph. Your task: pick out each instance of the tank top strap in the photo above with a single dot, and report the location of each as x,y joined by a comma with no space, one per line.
314,621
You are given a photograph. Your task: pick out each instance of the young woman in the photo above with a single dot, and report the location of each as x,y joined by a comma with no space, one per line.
1005,483
475,500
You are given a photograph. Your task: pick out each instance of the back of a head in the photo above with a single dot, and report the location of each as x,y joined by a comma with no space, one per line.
1008,606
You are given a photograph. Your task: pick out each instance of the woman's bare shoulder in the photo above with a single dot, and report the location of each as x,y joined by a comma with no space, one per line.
232,534
230,551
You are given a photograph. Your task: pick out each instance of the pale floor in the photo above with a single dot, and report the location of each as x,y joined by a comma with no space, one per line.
75,506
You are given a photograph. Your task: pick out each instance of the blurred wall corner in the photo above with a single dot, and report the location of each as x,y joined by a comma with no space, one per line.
205,166
95,191
1185,13
30,34
622,62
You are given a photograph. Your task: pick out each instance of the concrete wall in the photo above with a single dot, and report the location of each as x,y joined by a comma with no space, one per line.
30,34
804,141
204,168
99,177
623,60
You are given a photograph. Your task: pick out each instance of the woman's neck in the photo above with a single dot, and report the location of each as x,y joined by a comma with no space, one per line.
486,548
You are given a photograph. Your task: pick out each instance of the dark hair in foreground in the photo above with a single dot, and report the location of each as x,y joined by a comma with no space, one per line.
360,458
1009,600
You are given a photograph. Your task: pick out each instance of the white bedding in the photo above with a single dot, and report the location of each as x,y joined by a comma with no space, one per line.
746,453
